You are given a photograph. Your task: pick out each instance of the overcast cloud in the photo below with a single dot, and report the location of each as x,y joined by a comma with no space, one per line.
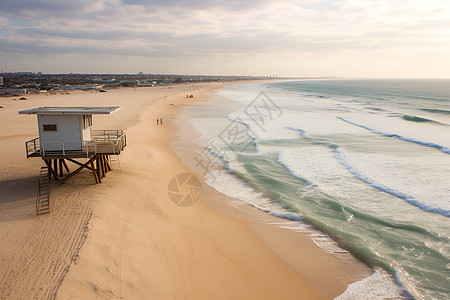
289,38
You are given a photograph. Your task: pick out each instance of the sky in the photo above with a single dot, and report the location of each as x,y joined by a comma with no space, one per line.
344,38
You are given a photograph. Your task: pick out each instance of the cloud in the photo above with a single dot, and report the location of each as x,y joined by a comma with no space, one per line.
218,28
34,8
199,4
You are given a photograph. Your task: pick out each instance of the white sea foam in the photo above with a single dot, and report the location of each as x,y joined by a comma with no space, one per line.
407,196
425,143
364,187
235,188
379,285
321,239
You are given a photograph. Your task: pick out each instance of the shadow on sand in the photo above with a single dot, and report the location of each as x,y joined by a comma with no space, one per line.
18,198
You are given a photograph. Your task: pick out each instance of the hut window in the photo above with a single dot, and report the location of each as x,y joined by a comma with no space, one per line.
50,127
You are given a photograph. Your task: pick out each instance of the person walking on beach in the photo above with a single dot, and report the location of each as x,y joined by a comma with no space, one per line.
160,121
157,121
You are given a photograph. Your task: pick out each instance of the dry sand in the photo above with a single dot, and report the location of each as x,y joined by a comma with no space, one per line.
124,238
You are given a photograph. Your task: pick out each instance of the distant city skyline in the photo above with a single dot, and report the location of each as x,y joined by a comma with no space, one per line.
344,38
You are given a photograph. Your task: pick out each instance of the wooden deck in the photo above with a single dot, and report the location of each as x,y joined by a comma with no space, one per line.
104,142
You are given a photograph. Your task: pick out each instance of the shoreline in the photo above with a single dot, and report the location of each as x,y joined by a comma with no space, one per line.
278,232
194,253
379,282
138,244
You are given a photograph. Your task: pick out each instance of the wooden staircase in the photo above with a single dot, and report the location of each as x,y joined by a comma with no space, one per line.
43,196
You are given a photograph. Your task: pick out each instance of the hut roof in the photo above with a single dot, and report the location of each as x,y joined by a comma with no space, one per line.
85,110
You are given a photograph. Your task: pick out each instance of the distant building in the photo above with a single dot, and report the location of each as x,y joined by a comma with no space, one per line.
18,90
77,87
141,73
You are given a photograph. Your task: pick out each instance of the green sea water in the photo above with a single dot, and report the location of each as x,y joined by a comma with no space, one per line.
365,161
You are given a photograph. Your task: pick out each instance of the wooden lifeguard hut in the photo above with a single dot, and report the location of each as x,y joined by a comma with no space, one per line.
65,133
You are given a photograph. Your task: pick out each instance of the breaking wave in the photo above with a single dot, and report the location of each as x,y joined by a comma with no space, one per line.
443,149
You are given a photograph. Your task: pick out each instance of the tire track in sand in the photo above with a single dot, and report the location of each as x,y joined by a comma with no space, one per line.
46,258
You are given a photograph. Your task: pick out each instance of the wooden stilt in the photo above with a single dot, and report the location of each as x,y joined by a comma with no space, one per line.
98,169
48,162
52,171
99,165
104,164
108,165
55,167
100,160
93,172
65,165
78,163
61,171
77,170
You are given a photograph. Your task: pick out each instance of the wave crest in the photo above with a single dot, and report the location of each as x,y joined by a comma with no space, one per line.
342,159
443,149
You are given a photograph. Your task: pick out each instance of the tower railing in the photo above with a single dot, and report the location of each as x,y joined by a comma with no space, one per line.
33,146
102,142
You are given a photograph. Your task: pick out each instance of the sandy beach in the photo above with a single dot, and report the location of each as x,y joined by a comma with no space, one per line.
124,238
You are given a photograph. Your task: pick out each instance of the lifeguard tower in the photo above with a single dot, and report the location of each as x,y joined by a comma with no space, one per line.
66,134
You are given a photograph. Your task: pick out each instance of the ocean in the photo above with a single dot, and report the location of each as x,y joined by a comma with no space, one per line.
365,162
